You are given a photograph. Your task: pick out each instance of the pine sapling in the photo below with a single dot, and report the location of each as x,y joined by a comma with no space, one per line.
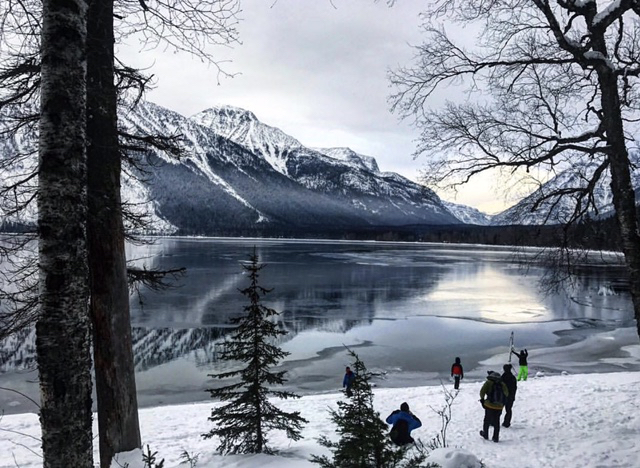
363,438
243,423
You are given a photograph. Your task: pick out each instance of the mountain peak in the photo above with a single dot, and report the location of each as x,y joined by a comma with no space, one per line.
225,113
243,127
348,155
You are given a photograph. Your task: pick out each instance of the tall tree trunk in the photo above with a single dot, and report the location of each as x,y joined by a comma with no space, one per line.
112,345
624,199
63,333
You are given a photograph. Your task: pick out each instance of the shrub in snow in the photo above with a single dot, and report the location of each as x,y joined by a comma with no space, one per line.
242,424
440,440
363,438
137,459
149,459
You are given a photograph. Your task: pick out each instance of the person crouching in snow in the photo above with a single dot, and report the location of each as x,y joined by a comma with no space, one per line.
493,396
347,381
404,421
457,373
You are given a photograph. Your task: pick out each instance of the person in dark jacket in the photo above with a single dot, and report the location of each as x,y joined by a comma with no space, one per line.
492,408
457,373
512,385
523,373
347,381
403,421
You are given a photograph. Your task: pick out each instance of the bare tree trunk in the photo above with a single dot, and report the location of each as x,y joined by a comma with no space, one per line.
62,343
113,355
621,187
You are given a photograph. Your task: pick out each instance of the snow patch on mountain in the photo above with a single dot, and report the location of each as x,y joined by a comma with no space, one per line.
467,214
351,157
136,197
544,207
244,128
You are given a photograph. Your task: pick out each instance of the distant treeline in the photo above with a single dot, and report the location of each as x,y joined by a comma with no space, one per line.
591,234
594,235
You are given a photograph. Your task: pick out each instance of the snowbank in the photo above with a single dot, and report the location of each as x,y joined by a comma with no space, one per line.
563,421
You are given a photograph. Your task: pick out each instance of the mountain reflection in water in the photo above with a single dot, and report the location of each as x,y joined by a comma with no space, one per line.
407,309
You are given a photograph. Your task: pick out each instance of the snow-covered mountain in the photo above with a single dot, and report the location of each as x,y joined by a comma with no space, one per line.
557,210
468,214
244,128
239,175
348,155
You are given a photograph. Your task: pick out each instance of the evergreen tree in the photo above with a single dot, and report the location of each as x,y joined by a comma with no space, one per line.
363,435
243,423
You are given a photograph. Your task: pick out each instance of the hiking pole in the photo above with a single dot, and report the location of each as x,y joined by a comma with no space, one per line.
510,346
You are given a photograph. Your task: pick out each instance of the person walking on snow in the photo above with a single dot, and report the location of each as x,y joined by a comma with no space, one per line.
404,421
523,373
457,373
347,381
512,385
492,400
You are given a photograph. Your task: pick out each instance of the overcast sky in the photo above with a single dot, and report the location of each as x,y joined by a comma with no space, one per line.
317,69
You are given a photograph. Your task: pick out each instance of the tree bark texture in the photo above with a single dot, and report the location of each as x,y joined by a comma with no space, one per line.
63,331
112,345
621,186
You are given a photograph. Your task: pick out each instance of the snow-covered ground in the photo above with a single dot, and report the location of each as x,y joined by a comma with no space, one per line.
582,420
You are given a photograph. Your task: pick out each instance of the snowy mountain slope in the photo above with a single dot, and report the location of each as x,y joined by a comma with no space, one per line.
221,186
350,156
18,159
557,210
240,175
340,173
244,128
468,214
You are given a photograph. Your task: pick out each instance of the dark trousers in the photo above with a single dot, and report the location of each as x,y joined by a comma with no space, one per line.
456,382
491,418
507,416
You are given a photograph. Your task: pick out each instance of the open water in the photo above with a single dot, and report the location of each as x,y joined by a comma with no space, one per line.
407,309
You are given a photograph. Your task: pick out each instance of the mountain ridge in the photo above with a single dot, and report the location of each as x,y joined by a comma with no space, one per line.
240,175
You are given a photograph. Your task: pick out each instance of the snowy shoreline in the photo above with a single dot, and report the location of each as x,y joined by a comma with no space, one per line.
581,420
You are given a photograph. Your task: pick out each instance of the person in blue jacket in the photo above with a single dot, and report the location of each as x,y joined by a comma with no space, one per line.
347,381
404,421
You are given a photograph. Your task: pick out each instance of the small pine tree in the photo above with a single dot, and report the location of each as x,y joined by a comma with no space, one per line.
243,423
363,439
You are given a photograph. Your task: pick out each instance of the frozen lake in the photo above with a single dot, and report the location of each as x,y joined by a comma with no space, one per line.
407,309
